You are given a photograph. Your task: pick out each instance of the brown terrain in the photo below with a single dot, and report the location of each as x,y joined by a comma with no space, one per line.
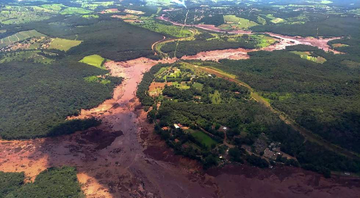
281,44
241,53
124,158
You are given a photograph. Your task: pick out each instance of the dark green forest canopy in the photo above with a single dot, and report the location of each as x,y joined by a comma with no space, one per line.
111,38
10,182
324,98
53,182
321,25
239,113
36,98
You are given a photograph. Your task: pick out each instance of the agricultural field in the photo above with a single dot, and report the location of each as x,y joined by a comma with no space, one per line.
94,60
19,15
63,44
74,10
20,36
310,57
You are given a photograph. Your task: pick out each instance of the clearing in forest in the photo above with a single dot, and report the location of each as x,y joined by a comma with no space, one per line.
310,57
202,138
63,44
234,22
94,60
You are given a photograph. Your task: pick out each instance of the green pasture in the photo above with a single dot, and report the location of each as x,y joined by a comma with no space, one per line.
94,60
63,44
203,138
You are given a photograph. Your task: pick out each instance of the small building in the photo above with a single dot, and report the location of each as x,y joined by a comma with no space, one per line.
176,126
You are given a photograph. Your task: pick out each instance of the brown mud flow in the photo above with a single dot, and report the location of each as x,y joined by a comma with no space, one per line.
123,158
242,53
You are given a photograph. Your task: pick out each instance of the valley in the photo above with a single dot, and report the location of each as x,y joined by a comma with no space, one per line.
179,99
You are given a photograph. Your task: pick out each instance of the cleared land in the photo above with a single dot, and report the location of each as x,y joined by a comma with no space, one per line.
63,44
94,60
310,57
203,138
234,22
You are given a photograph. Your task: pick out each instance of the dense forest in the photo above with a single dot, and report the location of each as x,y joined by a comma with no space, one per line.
53,182
99,37
246,120
323,98
39,97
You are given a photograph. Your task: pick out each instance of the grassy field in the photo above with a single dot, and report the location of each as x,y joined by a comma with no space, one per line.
53,7
308,56
171,30
94,60
74,10
203,138
90,16
181,85
63,44
20,36
237,22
